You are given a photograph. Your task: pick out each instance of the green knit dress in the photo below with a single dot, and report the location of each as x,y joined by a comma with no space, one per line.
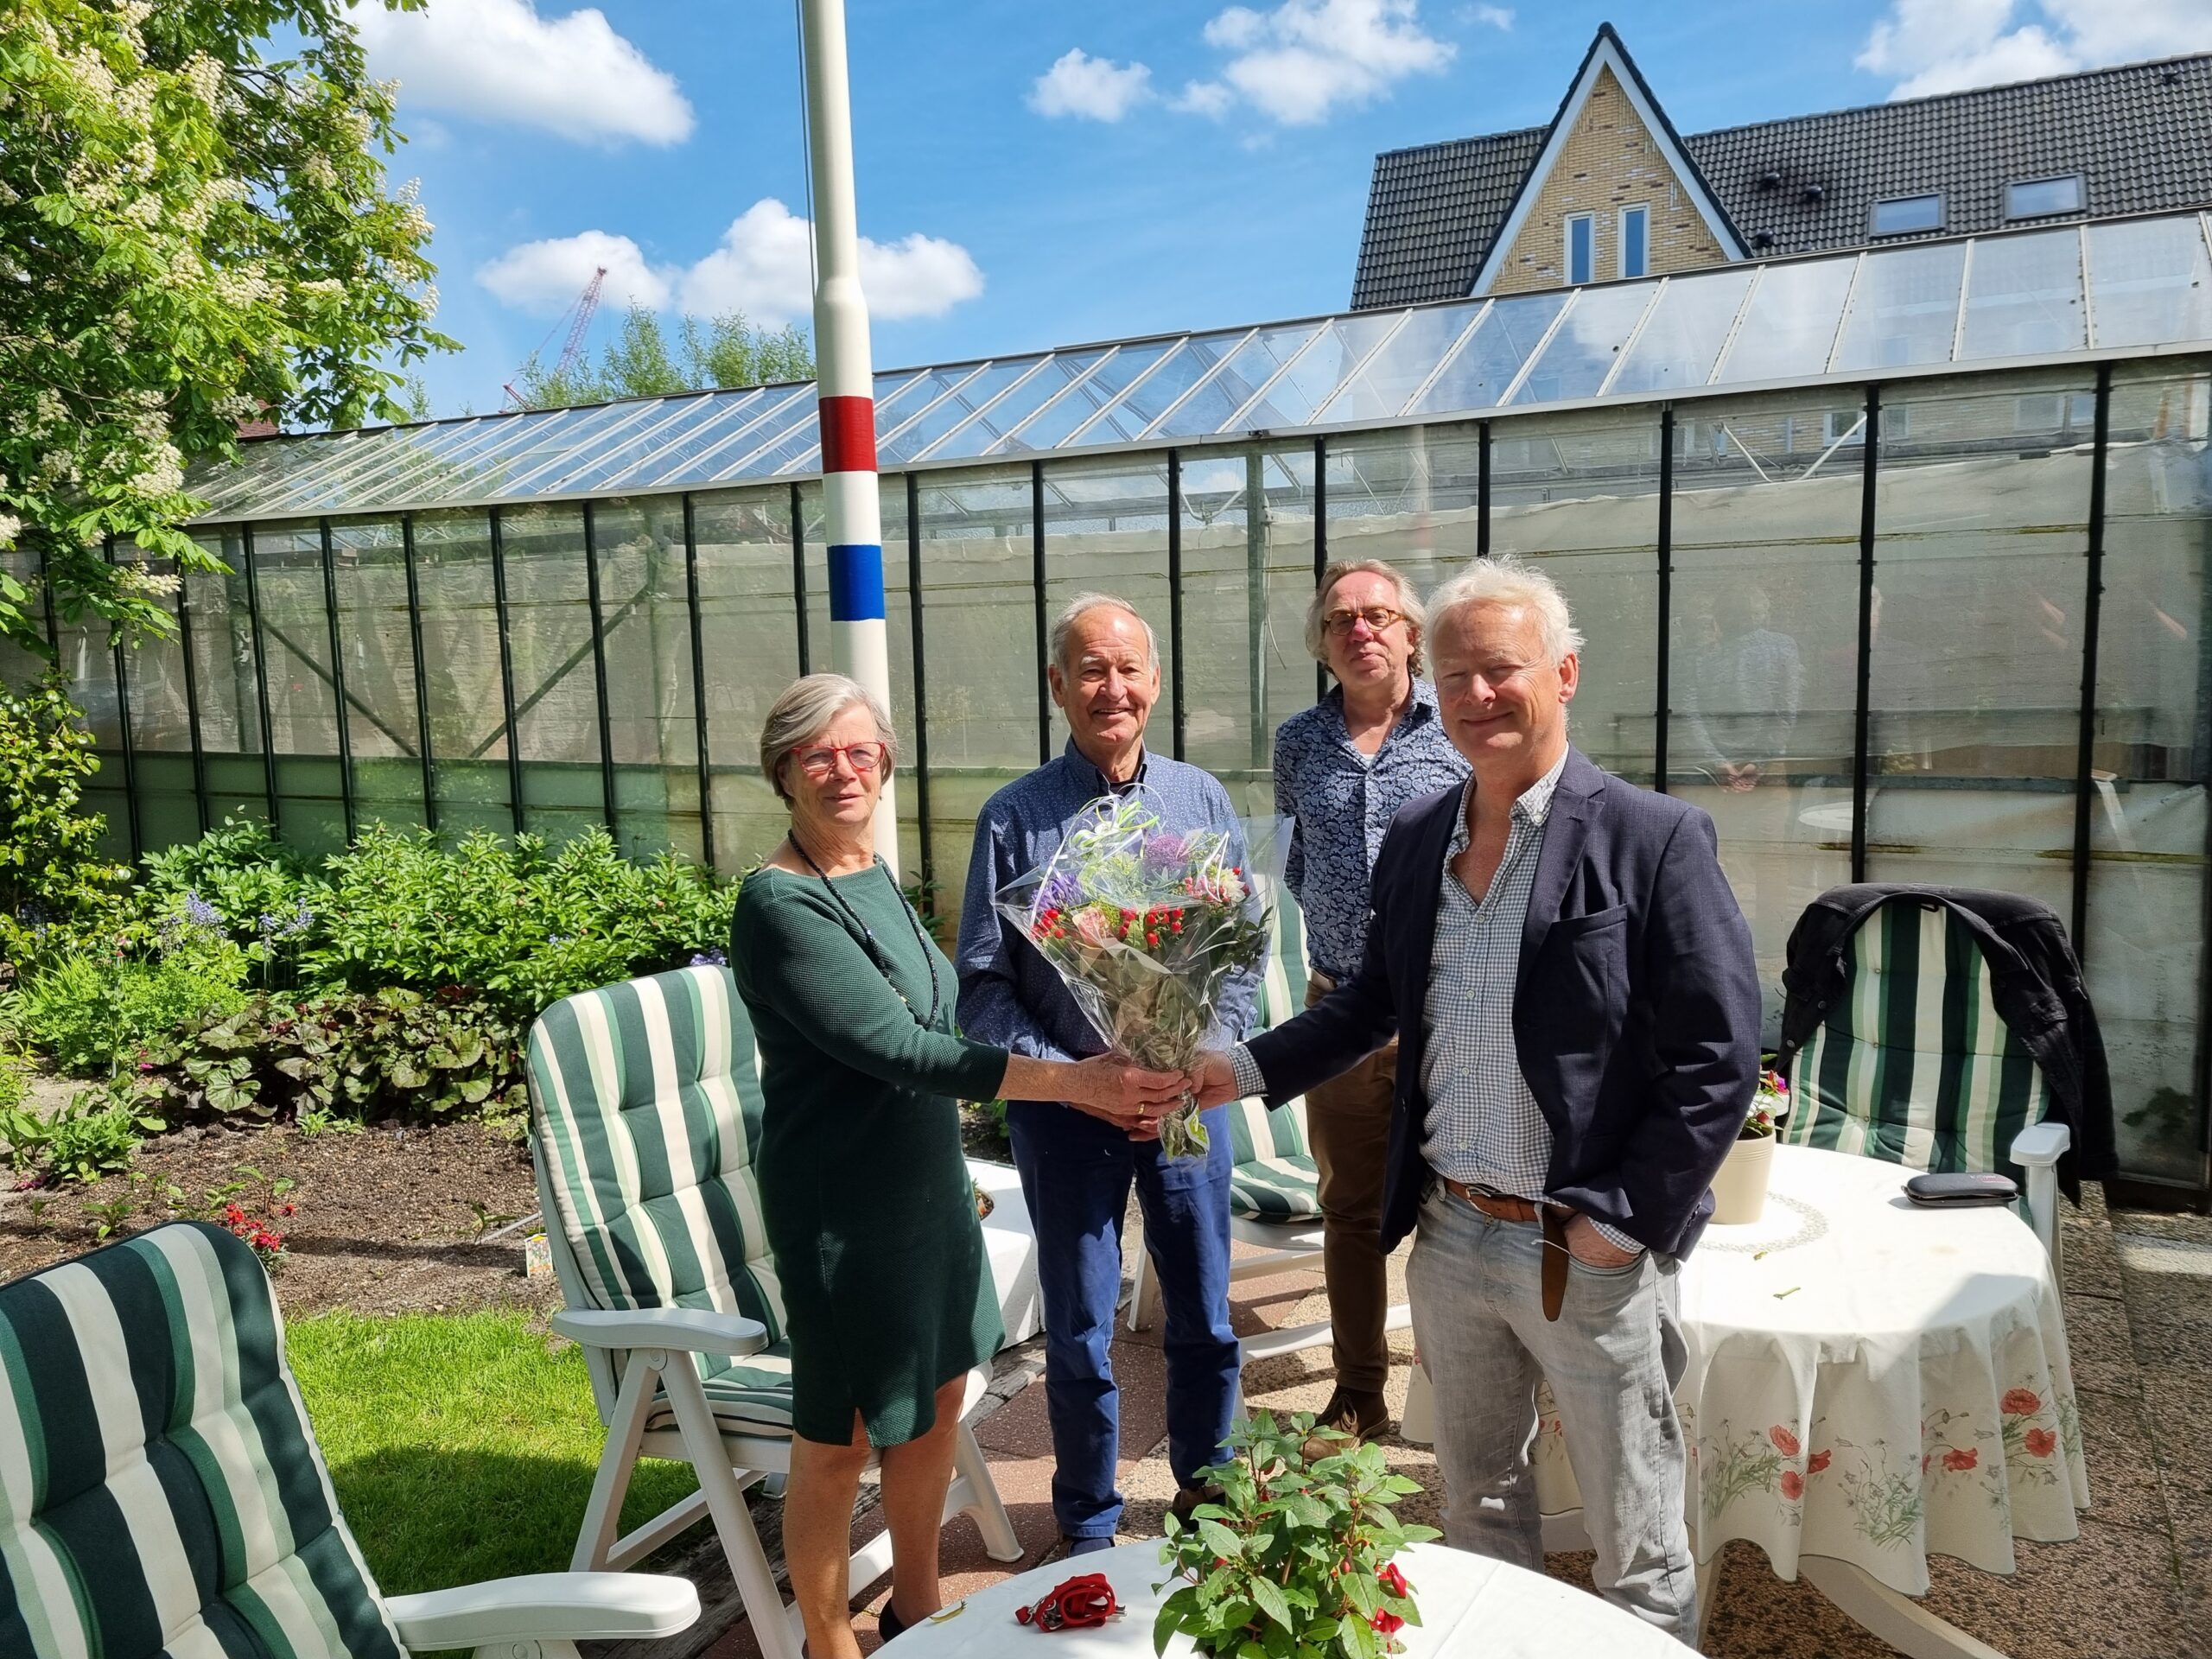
864,1192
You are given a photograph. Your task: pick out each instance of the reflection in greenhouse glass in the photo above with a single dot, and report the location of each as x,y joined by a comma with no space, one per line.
555,684
382,729
1578,495
461,670
302,702
1683,334
1106,530
1487,359
2150,282
1790,326
928,425
160,725
653,726
2143,955
1251,366
1412,497
748,638
1905,309
1974,698
1763,654
1398,369
898,634
1337,353
2023,296
1587,343
222,660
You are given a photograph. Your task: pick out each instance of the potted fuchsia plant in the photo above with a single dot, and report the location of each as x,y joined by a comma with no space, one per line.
1739,1190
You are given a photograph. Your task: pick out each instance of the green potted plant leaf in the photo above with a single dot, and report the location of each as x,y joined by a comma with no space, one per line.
1739,1189
1295,1555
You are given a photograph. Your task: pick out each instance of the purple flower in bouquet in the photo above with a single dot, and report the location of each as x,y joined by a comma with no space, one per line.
1165,856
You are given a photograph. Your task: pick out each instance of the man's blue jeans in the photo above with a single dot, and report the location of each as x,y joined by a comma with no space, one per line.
1076,1175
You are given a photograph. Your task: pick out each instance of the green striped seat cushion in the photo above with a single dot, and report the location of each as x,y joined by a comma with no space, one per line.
161,1490
646,1112
1914,1065
1274,1177
1282,986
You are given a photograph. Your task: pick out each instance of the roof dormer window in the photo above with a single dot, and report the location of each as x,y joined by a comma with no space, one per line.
2039,198
1903,215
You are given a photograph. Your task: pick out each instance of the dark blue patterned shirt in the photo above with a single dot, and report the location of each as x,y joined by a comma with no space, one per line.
1010,996
1342,801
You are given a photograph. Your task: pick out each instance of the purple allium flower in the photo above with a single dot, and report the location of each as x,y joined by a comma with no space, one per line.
1163,854
1061,891
709,958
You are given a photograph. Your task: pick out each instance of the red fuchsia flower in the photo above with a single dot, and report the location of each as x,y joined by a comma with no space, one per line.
1393,1580
1387,1622
2020,1402
291,1209
1817,1462
1960,1459
1793,1484
1784,1441
2041,1442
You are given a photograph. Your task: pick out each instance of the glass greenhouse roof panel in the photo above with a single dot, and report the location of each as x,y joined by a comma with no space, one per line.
767,444
446,464
1682,337
1250,367
987,426
1311,379
932,422
1789,327
2149,281
706,459
732,421
1402,366
1061,421
547,462
1904,309
1480,371
1152,396
2023,296
691,416
899,396
1585,344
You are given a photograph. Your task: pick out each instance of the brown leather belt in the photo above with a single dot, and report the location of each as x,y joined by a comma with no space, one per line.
1504,1207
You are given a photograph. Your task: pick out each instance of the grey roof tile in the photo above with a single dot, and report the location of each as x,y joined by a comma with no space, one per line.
2140,136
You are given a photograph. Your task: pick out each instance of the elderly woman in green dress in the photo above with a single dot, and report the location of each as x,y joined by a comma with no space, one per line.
869,1212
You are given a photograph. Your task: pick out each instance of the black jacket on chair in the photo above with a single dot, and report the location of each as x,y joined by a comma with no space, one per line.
1636,1008
2035,982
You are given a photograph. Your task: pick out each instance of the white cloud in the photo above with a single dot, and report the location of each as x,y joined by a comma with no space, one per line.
544,277
1297,63
499,61
1941,46
1207,98
1097,89
1499,17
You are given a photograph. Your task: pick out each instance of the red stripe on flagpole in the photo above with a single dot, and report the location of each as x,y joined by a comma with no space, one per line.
848,434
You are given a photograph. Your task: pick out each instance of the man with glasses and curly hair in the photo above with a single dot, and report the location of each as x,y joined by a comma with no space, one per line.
1342,770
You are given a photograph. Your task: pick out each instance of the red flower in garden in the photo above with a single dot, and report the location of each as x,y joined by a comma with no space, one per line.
2020,1402
1393,1580
1388,1623
2041,1442
1793,1484
1817,1462
1960,1459
1784,1441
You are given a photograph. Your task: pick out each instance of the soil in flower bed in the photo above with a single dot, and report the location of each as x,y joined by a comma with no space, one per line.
386,1221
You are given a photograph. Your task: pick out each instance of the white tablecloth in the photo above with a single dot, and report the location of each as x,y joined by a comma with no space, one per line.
1469,1605
1869,1380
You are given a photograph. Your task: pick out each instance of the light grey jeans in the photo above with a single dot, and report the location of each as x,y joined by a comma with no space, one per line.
1612,1360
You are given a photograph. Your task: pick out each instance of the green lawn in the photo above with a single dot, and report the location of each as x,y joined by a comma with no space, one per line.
462,1447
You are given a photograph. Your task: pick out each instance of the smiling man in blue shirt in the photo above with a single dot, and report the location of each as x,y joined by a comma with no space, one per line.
1078,1163
1342,770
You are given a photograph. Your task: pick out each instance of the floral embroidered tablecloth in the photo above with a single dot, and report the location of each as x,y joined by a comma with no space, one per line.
1868,1380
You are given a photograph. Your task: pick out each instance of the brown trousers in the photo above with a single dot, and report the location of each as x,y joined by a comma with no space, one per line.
1348,1124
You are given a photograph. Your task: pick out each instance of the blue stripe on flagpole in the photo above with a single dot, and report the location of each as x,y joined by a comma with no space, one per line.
856,583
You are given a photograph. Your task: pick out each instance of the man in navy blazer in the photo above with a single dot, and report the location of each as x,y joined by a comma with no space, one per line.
1572,985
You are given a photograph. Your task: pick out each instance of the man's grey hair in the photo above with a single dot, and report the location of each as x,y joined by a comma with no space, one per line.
803,712
1316,613
1080,607
1509,581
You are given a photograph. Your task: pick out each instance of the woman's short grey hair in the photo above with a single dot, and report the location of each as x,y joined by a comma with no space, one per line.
1509,581
1080,607
803,712
1317,613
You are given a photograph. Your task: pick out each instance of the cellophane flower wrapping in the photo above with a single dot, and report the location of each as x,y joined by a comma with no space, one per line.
1150,929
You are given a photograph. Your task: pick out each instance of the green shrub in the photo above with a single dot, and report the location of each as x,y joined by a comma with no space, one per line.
94,1136
51,871
94,1014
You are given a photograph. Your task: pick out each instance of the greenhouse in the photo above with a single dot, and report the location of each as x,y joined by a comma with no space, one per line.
1894,561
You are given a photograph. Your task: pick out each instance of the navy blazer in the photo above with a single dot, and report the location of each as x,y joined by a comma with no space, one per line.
1635,1013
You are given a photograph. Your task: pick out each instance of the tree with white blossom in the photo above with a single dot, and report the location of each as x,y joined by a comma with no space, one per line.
196,230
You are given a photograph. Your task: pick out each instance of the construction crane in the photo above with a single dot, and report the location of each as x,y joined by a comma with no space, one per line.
579,318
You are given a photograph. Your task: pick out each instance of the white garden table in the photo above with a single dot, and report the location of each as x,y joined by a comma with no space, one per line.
1870,1383
1469,1605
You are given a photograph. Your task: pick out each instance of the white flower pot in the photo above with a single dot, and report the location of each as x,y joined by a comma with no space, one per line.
1739,1190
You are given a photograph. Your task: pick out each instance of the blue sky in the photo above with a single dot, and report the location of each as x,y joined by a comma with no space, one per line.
1189,165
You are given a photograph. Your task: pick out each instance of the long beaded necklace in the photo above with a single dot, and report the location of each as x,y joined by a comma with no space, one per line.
875,950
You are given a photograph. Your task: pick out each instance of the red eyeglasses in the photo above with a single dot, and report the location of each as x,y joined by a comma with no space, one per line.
820,760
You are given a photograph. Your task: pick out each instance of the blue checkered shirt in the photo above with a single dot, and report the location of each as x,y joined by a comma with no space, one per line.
1010,996
1485,1129
1341,803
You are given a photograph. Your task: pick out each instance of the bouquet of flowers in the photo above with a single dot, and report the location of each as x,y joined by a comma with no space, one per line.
1149,930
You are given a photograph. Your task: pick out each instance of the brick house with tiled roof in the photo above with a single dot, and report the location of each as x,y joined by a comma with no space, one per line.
1609,189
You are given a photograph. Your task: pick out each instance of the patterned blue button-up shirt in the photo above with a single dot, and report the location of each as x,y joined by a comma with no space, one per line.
1341,802
1011,996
